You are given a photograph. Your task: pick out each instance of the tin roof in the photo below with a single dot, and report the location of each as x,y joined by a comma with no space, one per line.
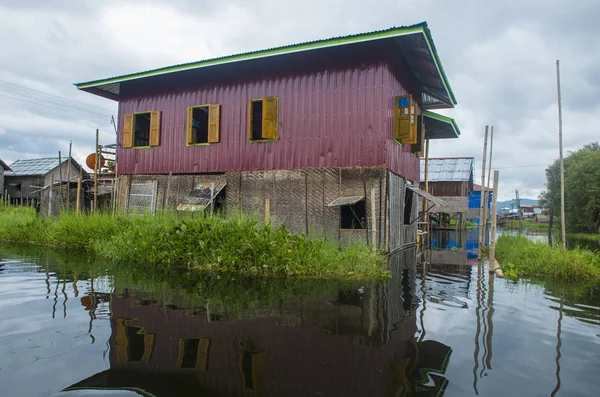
448,169
4,165
414,46
439,127
34,167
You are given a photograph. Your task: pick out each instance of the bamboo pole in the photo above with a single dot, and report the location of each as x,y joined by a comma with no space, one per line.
562,162
60,183
481,204
267,210
493,218
69,176
425,203
96,162
212,198
50,195
78,200
487,192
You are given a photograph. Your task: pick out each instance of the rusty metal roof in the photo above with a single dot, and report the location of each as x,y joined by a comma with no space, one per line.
448,169
415,45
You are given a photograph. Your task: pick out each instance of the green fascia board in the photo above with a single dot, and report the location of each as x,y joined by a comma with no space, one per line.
337,41
444,119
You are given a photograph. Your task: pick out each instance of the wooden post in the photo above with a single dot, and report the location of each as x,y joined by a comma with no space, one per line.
493,218
373,217
50,195
78,200
481,204
487,193
60,183
267,210
69,176
212,198
563,218
96,162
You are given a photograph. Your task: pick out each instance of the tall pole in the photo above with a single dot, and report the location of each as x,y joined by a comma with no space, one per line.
425,203
96,162
562,163
487,192
481,204
69,176
493,218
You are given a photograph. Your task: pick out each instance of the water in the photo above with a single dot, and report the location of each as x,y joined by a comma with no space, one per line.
74,327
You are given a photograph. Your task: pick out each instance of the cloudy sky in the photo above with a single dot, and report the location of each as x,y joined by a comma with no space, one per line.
499,56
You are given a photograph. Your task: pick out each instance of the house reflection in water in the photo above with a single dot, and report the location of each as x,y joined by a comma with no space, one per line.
360,342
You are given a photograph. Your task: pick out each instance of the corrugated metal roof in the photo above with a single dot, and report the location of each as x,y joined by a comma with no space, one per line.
427,196
451,169
428,62
33,167
439,127
4,165
345,201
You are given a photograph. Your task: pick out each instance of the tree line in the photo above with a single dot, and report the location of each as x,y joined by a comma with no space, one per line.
582,190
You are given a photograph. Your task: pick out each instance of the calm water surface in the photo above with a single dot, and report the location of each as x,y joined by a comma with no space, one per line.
73,327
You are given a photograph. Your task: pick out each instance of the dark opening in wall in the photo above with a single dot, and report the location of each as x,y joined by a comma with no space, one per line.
408,204
257,119
136,344
141,128
200,125
354,216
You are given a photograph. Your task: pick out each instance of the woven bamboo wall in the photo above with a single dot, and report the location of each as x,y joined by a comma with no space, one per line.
299,198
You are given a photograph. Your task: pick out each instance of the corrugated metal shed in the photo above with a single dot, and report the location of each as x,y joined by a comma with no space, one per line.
449,169
37,167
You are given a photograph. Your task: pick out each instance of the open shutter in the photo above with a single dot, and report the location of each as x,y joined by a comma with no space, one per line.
121,341
128,130
148,345
250,119
412,132
269,123
154,128
403,119
190,123
202,357
419,147
214,118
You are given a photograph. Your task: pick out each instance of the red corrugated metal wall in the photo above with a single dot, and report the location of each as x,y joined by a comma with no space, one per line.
334,118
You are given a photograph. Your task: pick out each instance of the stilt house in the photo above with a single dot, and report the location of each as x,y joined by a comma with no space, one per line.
323,136
3,168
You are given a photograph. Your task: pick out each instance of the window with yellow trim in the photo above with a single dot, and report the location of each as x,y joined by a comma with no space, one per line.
193,353
405,120
263,119
132,342
203,124
141,129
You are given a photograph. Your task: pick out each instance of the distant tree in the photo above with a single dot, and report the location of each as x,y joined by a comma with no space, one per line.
582,189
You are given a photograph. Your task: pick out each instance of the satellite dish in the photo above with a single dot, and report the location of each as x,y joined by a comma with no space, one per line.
90,161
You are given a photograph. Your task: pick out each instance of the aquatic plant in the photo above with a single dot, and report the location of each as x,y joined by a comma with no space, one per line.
520,256
236,243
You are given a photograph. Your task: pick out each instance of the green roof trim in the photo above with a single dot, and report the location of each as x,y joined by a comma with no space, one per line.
447,120
319,44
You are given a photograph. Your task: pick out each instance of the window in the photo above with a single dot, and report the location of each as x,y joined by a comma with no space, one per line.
193,353
253,368
203,123
262,119
133,344
405,120
354,216
141,129
408,204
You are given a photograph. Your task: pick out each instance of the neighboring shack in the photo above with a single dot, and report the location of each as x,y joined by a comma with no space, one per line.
323,136
475,202
3,168
28,181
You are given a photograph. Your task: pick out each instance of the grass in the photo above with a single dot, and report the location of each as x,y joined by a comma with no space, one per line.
239,243
514,224
520,257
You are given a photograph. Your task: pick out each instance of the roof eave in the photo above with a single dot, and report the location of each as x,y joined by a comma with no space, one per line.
443,119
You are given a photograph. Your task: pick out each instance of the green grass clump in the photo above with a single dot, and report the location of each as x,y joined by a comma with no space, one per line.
239,243
520,256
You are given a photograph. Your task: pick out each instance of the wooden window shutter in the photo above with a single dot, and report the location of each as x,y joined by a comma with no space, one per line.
214,121
250,119
128,130
412,135
155,128
402,117
148,345
269,122
190,124
202,356
121,340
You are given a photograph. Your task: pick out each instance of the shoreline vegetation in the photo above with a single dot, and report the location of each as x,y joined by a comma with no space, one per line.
542,227
521,257
236,244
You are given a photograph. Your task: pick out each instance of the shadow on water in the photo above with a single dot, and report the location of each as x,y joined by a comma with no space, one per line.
439,326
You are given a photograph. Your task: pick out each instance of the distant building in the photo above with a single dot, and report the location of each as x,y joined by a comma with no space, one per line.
322,136
27,179
450,179
3,168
